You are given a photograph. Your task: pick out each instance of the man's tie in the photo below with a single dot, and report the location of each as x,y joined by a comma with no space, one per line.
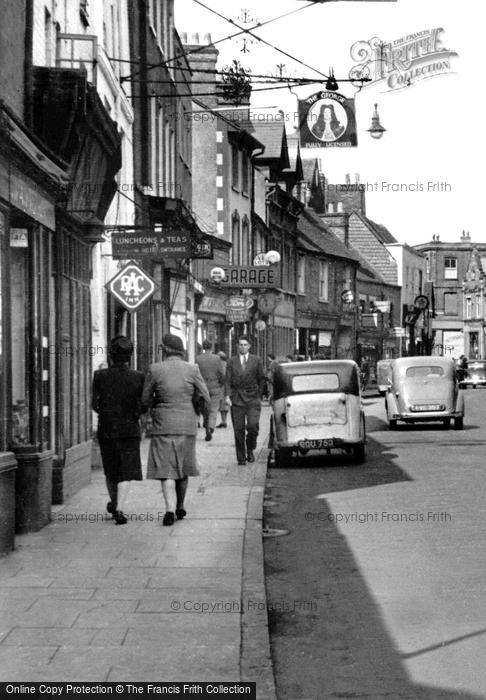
244,362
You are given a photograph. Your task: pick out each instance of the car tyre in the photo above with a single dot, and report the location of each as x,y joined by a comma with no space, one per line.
282,458
459,423
447,423
359,453
392,424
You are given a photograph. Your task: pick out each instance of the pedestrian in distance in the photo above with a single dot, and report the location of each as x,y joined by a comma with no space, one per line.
117,399
211,368
245,379
170,389
223,405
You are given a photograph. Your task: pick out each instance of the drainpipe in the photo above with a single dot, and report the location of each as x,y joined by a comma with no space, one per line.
28,62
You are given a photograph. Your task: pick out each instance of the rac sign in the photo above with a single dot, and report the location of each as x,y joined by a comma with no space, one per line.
131,286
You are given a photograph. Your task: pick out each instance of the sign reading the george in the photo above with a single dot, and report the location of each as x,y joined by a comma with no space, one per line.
131,286
327,119
250,276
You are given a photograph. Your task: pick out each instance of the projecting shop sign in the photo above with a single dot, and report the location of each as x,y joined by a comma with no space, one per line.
131,286
250,276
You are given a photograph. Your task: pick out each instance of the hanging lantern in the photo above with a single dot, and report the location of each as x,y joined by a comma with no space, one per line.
376,129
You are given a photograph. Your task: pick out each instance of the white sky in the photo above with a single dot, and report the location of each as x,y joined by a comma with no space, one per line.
432,127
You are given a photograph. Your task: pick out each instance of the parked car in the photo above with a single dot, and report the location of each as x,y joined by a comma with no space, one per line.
383,375
475,374
422,389
316,408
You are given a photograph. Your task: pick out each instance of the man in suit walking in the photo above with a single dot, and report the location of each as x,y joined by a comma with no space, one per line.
245,380
211,367
117,398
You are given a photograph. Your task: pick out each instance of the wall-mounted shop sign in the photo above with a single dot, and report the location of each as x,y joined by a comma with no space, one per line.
212,305
237,315
19,238
327,119
250,276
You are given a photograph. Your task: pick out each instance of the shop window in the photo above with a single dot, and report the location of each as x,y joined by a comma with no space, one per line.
31,350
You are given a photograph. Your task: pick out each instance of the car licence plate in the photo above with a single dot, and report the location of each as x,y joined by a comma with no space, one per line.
427,407
315,444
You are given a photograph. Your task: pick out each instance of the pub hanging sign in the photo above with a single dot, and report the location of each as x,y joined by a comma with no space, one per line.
326,120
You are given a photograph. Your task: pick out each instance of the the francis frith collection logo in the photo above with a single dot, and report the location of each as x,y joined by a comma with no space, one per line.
402,62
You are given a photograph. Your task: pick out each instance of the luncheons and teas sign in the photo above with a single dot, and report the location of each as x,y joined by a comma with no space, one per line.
170,237
327,119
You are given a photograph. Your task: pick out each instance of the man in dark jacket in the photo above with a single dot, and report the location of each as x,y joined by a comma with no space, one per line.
117,393
245,379
211,367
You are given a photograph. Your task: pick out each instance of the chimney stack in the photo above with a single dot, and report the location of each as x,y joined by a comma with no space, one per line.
348,179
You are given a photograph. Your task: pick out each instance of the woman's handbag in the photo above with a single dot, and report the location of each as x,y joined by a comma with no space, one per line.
198,401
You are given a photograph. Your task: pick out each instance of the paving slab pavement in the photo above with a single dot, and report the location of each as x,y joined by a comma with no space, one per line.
86,600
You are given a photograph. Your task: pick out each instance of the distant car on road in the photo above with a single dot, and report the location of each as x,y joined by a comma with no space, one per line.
383,375
475,374
424,388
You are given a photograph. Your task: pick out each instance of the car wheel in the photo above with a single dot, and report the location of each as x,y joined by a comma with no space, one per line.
359,453
447,423
282,458
270,459
392,424
459,423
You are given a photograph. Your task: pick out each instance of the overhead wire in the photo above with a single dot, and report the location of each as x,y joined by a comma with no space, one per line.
264,41
226,38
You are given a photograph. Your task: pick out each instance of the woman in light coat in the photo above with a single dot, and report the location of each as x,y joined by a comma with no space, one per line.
169,389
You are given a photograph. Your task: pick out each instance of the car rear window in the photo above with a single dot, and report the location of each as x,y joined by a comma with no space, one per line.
315,382
432,371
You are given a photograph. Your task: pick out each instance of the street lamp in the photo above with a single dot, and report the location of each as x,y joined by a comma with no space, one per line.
272,257
376,129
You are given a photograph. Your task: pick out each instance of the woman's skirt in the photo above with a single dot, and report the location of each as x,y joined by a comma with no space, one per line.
172,457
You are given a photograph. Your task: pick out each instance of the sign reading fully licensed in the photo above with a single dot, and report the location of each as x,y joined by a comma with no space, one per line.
250,276
131,286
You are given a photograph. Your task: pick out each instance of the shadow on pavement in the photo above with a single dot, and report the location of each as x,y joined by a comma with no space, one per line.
328,637
341,473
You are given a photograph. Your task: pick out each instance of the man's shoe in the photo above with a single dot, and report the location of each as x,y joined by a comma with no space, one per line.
222,425
120,517
111,508
209,434
250,457
180,513
169,518
242,461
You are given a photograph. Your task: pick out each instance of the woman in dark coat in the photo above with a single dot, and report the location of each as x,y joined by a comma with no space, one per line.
169,390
